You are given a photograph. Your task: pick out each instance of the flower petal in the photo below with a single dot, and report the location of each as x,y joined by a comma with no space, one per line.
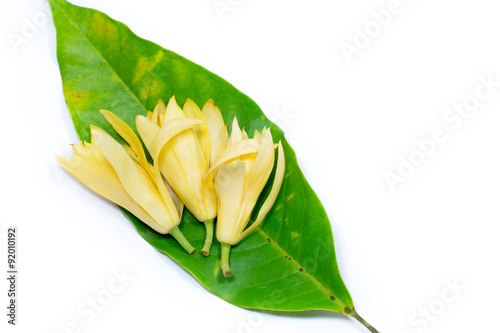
192,110
169,130
229,183
237,150
216,129
236,133
262,167
147,130
271,198
172,111
171,167
131,153
244,134
126,170
257,135
159,110
255,180
187,151
129,136
179,206
103,180
209,198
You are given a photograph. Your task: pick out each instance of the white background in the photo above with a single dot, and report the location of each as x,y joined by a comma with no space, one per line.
348,122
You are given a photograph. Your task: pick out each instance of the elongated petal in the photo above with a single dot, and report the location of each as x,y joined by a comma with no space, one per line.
147,130
257,135
229,183
159,110
216,129
81,150
210,198
150,200
179,206
173,111
236,134
256,180
191,170
175,199
131,153
128,135
103,180
153,187
271,198
168,131
188,152
192,110
262,167
244,134
237,150
172,168
99,156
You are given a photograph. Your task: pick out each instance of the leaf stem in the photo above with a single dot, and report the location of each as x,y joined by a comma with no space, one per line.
209,237
364,322
225,260
179,237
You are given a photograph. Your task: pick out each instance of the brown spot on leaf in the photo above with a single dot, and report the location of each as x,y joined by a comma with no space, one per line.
301,269
332,298
347,310
78,94
269,240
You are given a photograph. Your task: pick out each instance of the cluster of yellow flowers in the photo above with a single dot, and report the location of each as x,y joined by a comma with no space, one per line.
195,163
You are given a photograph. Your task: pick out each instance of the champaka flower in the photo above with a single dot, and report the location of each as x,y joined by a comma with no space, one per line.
122,174
242,172
186,158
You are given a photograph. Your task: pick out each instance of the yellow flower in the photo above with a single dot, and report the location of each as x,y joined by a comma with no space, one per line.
122,174
186,158
242,171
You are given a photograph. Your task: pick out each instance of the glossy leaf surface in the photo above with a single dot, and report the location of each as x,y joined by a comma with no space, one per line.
289,263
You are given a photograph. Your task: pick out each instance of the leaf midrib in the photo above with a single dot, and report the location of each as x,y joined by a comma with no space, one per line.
309,275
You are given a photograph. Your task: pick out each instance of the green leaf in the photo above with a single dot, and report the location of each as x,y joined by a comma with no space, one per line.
289,263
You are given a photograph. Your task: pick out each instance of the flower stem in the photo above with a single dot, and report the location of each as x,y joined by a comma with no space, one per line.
364,322
179,237
225,260
209,237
